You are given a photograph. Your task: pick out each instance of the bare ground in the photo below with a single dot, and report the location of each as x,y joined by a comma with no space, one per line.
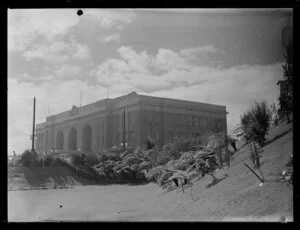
237,195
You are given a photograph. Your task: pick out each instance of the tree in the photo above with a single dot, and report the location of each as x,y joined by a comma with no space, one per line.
256,123
232,142
286,85
29,158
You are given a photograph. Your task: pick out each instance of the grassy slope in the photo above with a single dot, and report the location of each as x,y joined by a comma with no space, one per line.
237,196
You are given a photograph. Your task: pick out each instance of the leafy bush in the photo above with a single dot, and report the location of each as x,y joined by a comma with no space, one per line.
286,85
113,157
164,177
171,150
207,165
163,158
150,143
92,159
154,173
29,158
49,160
78,159
102,157
256,122
130,160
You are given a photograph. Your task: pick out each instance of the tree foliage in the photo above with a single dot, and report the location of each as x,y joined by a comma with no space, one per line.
256,123
29,158
286,84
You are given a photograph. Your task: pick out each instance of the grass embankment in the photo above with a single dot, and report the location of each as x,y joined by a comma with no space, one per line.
237,195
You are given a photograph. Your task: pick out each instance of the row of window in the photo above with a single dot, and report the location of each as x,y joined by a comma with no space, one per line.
172,135
188,120
185,120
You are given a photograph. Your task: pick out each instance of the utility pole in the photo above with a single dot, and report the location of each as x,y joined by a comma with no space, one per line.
33,127
80,100
124,132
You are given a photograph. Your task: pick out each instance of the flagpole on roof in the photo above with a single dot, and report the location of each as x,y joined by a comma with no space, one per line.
33,126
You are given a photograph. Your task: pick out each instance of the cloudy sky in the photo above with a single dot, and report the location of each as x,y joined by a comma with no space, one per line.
226,57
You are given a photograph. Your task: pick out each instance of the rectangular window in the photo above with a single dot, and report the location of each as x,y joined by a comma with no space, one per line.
150,133
178,120
170,118
170,135
190,121
196,121
182,120
118,139
173,118
157,119
157,135
129,118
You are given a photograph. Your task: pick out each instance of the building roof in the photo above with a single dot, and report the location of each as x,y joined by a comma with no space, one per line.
114,101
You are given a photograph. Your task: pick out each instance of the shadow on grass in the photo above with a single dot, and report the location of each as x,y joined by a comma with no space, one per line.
216,181
277,137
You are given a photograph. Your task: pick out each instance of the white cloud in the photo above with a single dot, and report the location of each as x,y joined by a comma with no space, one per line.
113,38
199,50
26,25
58,51
68,71
41,78
112,19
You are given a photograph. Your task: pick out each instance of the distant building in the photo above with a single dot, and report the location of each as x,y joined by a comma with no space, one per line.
101,125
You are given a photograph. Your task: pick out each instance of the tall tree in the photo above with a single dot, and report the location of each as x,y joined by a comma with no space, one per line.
286,84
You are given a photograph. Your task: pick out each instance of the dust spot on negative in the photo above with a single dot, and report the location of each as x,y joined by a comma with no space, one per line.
79,12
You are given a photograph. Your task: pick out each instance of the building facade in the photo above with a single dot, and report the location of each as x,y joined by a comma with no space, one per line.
103,124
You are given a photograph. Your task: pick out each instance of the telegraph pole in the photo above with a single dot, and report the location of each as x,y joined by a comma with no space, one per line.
32,149
80,99
124,132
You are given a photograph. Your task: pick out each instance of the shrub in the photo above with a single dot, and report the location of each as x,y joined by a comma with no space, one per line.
77,159
49,160
286,85
131,160
29,158
155,173
163,158
113,157
150,143
171,150
92,159
256,122
207,165
164,178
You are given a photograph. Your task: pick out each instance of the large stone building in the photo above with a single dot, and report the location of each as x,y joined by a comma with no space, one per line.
101,125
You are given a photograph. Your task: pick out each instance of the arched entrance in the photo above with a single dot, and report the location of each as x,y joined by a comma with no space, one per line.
60,140
87,138
72,140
